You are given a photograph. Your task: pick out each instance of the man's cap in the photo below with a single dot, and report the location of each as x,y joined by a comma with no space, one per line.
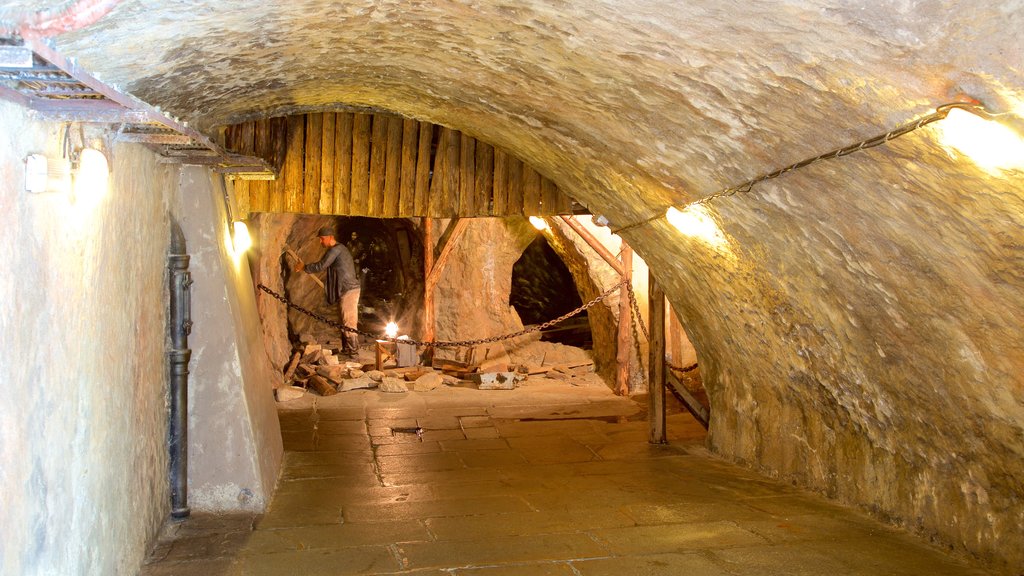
326,231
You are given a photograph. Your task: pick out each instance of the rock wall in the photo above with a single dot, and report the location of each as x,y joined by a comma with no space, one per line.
82,358
235,447
859,328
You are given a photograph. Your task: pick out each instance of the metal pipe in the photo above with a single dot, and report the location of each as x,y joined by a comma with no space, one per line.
180,326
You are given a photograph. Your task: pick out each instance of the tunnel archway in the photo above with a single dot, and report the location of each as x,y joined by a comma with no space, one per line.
542,289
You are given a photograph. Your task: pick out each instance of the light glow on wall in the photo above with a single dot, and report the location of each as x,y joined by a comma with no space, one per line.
391,330
241,240
539,223
988,143
91,178
696,222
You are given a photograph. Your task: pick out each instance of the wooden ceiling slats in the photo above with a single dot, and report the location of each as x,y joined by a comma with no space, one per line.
385,166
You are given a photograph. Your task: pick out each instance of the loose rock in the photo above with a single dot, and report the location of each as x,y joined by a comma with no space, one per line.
393,385
428,382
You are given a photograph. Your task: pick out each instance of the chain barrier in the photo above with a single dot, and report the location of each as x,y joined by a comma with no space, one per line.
638,321
441,343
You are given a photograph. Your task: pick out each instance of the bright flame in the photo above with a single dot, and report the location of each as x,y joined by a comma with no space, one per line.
538,223
991,145
242,241
92,177
696,222
391,330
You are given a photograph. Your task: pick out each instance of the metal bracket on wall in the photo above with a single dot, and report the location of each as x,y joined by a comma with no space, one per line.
34,75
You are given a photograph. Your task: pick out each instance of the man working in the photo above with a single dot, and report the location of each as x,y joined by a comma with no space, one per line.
342,285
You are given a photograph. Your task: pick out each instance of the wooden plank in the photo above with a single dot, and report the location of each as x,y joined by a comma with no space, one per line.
423,163
342,162
360,164
499,205
656,368
692,404
548,197
259,190
428,292
378,166
624,338
242,200
450,197
247,138
515,187
531,191
393,167
446,253
279,142
293,163
435,207
407,189
467,176
327,165
484,185
594,243
311,173
563,204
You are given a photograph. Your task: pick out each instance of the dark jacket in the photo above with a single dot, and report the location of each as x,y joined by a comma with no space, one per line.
341,272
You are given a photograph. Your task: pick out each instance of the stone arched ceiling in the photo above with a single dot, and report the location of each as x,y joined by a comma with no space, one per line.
859,330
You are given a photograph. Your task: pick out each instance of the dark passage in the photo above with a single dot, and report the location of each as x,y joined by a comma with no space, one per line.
542,289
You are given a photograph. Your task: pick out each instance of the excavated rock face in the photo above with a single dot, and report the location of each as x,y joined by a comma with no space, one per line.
858,322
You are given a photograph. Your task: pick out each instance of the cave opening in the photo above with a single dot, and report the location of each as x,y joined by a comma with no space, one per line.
542,289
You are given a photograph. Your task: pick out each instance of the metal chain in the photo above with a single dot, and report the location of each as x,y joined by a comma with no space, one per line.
940,113
444,344
638,321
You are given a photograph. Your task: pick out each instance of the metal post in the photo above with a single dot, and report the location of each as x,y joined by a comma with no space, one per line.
179,325
656,397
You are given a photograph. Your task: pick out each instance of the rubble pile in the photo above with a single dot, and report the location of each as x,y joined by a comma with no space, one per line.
317,368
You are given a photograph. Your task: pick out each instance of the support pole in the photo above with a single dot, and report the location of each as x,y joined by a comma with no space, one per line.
656,398
428,289
179,325
625,336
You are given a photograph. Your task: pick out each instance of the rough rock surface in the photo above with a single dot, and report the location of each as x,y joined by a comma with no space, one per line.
393,385
857,322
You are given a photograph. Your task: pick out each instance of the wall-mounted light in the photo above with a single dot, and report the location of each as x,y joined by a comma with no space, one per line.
241,239
90,173
987,139
539,223
695,221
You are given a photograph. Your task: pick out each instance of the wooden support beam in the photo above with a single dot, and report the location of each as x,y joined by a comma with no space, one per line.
656,370
426,141
407,188
446,252
514,184
484,185
443,240
311,165
500,205
625,333
259,192
596,244
360,163
393,169
428,292
342,162
378,165
467,176
295,157
699,412
531,192
327,152
278,192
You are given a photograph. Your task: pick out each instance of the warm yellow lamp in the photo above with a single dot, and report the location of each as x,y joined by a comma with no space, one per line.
984,138
241,239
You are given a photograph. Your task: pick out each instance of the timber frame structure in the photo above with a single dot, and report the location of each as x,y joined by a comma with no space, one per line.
385,166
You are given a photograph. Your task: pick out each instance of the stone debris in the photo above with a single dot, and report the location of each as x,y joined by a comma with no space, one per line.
360,383
315,367
428,382
393,385
289,393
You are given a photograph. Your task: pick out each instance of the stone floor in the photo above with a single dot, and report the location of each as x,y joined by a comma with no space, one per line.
548,479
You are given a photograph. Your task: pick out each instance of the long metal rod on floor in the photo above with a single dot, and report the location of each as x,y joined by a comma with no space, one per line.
656,369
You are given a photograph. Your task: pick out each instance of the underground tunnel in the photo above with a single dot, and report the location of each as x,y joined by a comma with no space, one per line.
789,181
